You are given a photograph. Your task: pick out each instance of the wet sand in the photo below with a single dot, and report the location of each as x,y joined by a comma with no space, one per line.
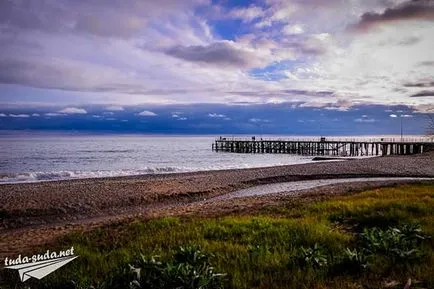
35,213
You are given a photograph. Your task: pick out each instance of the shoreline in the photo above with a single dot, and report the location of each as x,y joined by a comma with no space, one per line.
152,175
171,174
312,160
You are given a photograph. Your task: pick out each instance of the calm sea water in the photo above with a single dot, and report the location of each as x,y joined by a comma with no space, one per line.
42,157
27,158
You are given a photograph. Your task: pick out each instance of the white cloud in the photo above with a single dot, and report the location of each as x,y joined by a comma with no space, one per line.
246,14
337,108
264,23
36,114
53,114
147,113
365,120
393,115
73,110
370,68
283,13
258,120
293,29
216,115
3,115
19,115
406,115
114,108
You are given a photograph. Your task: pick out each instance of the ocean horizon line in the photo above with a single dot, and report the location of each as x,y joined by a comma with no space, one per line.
108,133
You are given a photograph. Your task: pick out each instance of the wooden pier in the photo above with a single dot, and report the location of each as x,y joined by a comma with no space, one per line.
324,146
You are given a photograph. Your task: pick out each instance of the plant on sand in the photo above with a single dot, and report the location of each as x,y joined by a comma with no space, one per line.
315,256
189,269
398,243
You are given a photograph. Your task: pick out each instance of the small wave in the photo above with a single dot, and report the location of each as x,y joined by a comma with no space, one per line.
29,177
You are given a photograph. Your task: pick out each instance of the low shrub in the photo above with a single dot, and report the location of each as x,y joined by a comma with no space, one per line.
315,257
399,244
189,269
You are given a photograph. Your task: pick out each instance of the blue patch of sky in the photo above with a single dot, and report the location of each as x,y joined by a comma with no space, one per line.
269,73
227,28
238,3
275,71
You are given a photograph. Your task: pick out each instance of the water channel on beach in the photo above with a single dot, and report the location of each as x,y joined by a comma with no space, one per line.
288,187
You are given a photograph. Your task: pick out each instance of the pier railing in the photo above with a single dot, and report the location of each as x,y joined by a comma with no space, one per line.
325,146
335,139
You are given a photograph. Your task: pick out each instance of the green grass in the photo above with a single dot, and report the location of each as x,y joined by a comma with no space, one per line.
263,250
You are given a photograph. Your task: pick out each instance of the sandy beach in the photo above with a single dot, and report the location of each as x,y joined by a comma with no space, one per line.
35,213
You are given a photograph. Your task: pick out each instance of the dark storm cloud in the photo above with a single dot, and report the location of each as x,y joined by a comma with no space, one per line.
219,53
416,9
425,93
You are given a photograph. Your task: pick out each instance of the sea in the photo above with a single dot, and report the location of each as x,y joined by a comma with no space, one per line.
36,157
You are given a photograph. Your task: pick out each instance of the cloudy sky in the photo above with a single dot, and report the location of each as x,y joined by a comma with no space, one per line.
197,65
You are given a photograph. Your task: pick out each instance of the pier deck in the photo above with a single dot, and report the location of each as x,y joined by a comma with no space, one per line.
324,146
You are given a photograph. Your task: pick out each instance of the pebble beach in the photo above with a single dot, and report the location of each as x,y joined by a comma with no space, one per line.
33,209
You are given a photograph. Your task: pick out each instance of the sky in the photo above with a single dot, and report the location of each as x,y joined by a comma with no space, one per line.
217,66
